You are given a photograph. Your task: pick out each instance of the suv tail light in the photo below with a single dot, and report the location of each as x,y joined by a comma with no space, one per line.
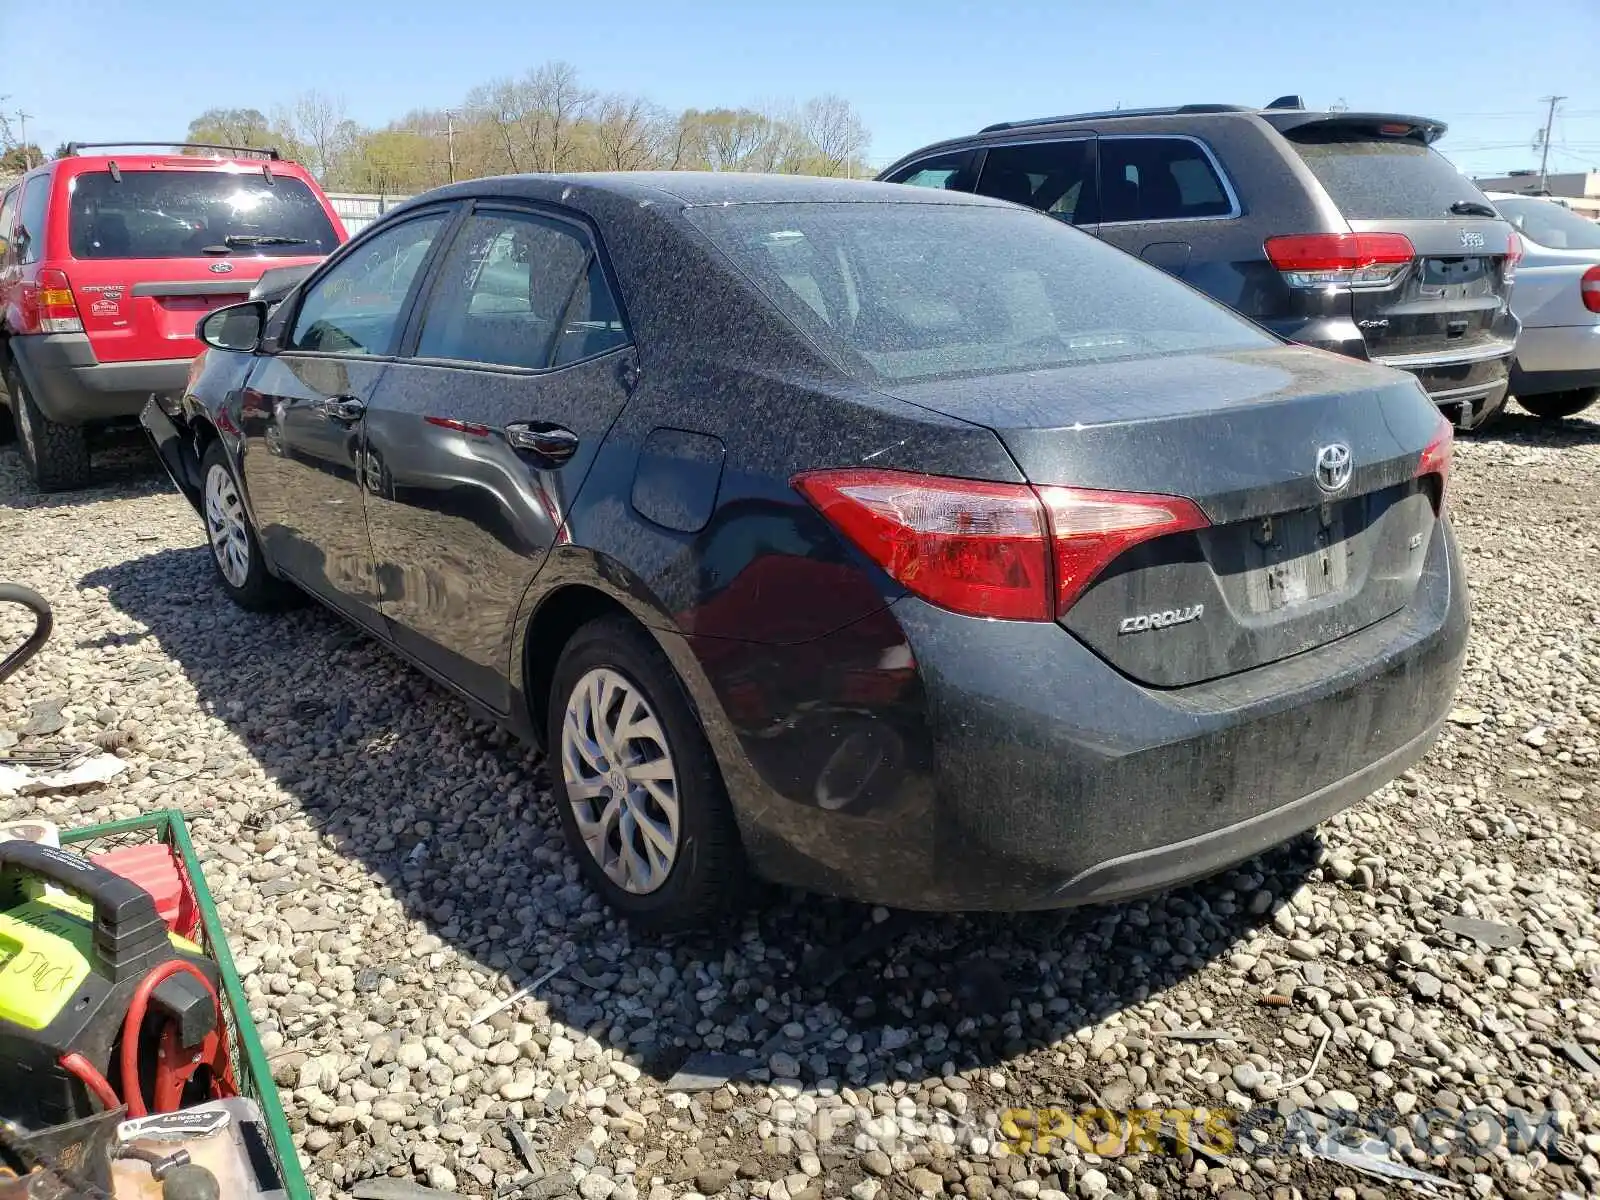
47,304
1513,255
1590,287
1435,460
1004,550
1353,260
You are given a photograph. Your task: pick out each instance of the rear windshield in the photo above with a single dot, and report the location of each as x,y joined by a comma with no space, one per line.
910,291
194,214
1550,225
1373,179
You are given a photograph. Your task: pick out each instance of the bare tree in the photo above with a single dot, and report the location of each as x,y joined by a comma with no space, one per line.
837,134
558,103
627,132
499,105
323,126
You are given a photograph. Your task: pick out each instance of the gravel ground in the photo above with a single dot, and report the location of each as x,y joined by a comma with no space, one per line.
389,869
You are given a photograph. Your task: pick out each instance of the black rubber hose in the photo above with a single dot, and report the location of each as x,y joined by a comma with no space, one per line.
15,593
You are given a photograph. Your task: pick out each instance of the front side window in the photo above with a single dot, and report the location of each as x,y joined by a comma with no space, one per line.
356,308
8,221
31,218
901,292
518,290
194,214
1054,177
951,172
1550,225
1158,179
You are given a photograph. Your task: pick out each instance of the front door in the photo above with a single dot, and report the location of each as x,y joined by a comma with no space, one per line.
303,410
477,442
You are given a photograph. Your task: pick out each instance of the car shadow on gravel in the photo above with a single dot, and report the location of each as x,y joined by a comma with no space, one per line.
121,461
1516,427
448,813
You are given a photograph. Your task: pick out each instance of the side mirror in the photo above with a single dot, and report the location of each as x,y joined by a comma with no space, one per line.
237,327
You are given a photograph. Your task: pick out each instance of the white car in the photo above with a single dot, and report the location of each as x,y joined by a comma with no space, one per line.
1556,372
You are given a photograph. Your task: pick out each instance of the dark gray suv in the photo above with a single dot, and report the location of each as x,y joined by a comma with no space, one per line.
1341,230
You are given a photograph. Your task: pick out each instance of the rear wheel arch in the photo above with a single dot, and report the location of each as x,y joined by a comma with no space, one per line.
550,628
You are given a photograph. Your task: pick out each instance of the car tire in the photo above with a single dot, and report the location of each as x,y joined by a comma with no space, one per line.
664,873
235,552
57,456
1553,406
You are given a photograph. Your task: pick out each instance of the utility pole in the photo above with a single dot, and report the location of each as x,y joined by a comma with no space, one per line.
1544,142
22,125
450,139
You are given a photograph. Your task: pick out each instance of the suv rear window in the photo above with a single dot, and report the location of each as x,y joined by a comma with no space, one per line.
180,214
911,291
1374,179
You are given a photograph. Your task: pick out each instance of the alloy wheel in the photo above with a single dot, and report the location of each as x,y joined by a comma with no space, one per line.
230,543
621,780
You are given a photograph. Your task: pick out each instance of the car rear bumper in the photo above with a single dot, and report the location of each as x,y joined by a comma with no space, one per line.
174,449
1027,773
72,387
1556,359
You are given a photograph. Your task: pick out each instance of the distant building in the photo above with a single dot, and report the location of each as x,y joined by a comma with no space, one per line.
1578,190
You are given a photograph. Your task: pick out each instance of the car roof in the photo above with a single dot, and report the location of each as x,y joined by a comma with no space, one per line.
696,189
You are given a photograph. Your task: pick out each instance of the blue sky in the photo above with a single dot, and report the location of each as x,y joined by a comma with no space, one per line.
103,69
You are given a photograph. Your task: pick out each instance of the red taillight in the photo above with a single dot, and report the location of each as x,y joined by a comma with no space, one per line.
1513,255
47,303
1091,529
1357,260
990,549
1590,287
1435,460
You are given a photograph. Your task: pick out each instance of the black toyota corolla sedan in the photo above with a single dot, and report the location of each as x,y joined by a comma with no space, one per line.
907,546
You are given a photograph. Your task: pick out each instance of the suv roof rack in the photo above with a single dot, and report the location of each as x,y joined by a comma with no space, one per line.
1110,114
268,152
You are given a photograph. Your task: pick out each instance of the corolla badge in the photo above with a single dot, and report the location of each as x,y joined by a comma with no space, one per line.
1334,467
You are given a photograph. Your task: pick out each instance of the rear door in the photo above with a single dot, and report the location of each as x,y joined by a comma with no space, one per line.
303,407
157,244
1448,307
478,442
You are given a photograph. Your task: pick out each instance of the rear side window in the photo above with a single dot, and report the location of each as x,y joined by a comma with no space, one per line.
1054,177
951,172
194,214
512,288
1550,225
31,218
1159,179
901,292
1374,179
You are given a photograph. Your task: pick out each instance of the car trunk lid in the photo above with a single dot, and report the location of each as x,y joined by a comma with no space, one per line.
1287,563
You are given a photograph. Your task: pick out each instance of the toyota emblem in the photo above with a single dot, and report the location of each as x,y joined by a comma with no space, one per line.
1333,467
221,268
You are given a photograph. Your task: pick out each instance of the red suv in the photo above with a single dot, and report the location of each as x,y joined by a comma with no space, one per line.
107,263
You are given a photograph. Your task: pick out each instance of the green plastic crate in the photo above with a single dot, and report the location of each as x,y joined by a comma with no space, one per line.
250,1068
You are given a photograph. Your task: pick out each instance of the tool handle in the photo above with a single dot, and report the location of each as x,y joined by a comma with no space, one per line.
128,931
15,593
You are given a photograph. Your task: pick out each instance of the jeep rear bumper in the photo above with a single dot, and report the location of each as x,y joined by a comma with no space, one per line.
72,387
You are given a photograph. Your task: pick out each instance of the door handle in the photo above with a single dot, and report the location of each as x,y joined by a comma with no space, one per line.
345,409
550,442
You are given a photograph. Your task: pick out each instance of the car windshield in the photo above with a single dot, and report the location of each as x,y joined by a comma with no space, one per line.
187,214
1549,224
902,291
